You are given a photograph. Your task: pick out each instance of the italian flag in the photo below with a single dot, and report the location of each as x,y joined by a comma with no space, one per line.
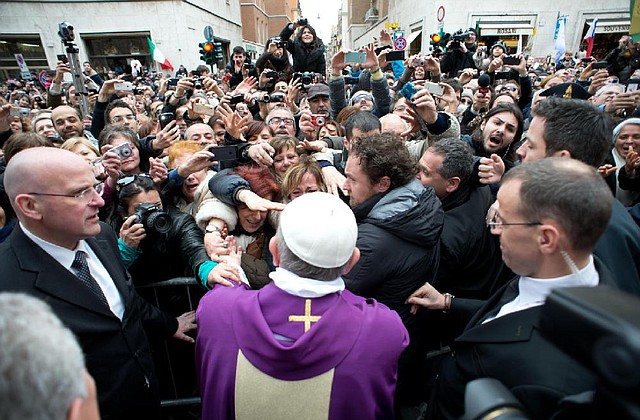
590,36
157,56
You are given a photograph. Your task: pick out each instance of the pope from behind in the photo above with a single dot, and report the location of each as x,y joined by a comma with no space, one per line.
302,346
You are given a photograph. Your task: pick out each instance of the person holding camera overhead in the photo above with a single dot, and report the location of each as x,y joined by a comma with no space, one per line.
457,57
307,49
275,58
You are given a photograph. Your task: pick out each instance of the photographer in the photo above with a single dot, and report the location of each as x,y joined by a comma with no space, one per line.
157,242
307,49
275,58
235,66
457,56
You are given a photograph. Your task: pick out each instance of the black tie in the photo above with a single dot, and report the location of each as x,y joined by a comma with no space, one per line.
83,273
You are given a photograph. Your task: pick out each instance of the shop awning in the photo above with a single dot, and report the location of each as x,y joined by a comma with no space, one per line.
505,28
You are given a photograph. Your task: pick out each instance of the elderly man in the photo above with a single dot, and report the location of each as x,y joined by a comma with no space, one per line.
42,373
319,99
201,133
60,252
547,245
303,342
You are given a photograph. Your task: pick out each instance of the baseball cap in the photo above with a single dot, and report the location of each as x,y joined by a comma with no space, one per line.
320,229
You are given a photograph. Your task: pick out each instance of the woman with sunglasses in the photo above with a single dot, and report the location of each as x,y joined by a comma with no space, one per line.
158,242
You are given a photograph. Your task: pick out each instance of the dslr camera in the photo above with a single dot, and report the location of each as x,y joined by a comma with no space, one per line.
306,78
153,218
303,21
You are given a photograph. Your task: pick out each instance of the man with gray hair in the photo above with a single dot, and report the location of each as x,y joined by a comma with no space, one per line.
302,346
42,373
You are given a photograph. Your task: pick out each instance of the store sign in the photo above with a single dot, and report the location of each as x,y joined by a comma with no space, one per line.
506,31
612,29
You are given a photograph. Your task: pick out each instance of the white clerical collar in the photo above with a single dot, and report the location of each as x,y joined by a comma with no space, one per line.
533,291
304,287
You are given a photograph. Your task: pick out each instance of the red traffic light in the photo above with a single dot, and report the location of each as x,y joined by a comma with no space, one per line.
435,38
207,47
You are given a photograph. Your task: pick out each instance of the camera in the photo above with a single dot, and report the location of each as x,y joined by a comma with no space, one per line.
272,74
460,37
318,120
152,218
279,42
197,83
138,90
306,78
65,31
303,21
165,118
123,151
21,112
274,97
236,99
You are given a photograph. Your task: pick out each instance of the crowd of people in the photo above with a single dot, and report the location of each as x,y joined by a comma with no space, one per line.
367,235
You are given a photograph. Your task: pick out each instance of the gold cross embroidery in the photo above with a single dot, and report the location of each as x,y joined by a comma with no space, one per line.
307,318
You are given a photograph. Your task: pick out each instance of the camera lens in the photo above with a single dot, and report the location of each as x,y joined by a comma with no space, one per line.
159,221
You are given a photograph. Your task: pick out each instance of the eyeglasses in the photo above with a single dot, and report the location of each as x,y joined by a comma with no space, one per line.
120,118
128,180
496,222
278,121
509,88
85,194
466,101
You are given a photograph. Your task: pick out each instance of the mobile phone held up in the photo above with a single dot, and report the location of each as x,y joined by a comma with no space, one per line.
355,57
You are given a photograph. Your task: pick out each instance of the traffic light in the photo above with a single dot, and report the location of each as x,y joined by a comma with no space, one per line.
206,52
217,51
435,39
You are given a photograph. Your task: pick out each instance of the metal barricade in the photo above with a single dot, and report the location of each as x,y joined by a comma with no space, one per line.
174,360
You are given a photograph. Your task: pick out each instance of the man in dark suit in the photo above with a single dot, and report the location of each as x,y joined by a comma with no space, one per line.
61,253
549,216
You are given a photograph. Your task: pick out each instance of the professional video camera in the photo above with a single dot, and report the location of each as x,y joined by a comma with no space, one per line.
457,38
153,218
596,326
65,32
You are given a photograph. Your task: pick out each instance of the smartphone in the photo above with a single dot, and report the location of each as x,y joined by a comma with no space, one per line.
395,55
351,80
224,152
236,99
434,88
408,90
510,60
203,109
248,66
165,118
123,151
172,82
587,59
600,65
123,86
63,58
502,75
632,85
355,57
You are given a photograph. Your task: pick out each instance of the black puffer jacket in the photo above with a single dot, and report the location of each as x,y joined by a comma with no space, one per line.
399,243
305,58
174,254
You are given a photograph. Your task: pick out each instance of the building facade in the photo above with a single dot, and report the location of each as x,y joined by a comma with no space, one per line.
263,19
110,34
532,24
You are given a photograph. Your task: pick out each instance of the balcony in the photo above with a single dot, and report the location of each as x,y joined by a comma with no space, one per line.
371,15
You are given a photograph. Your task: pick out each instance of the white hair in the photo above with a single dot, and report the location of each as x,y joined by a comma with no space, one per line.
42,365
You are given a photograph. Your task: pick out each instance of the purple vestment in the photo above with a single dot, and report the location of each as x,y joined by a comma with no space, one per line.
352,351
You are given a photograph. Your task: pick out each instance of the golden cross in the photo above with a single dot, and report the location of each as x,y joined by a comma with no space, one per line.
307,318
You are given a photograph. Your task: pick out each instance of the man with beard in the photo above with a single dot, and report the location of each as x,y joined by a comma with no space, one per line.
69,123
499,133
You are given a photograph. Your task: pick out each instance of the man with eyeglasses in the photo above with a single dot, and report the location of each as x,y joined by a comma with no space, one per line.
549,216
61,253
